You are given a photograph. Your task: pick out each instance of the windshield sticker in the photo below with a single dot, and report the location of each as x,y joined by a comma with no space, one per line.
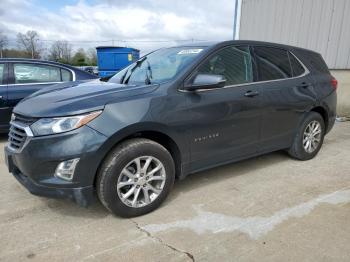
189,51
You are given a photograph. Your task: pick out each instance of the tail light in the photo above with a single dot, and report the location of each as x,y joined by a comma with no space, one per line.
334,83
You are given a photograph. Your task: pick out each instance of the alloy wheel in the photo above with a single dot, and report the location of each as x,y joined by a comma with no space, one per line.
312,136
141,181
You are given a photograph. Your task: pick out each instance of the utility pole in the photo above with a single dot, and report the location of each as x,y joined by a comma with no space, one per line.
235,20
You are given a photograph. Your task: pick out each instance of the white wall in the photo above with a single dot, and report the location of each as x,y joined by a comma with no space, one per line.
343,77
320,25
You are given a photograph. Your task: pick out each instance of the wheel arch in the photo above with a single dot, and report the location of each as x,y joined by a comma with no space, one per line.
157,133
323,112
164,140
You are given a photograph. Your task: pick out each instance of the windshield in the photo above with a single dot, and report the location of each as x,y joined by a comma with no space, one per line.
159,66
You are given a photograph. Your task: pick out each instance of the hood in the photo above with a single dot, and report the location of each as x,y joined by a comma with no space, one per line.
76,98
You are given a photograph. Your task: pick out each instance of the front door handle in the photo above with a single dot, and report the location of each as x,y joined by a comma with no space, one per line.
251,93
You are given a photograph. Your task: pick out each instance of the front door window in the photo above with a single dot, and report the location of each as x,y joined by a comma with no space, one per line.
234,63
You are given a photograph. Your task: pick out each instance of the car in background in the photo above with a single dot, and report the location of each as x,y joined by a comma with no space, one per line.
91,69
21,77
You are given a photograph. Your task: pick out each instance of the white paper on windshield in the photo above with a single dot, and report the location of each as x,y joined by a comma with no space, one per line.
190,51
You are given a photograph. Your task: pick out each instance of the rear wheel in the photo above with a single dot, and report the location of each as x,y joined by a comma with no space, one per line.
309,137
136,178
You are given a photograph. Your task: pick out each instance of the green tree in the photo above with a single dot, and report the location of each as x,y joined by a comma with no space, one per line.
80,58
16,53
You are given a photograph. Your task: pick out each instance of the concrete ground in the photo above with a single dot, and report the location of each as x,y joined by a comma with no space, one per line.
270,208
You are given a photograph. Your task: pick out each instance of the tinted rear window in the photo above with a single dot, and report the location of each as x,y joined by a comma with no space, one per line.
313,61
318,63
297,68
273,63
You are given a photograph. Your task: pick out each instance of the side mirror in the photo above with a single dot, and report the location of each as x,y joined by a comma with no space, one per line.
206,81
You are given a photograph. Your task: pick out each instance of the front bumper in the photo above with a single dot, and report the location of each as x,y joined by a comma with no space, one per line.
83,196
34,166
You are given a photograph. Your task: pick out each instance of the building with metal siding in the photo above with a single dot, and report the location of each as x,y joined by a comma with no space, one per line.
320,25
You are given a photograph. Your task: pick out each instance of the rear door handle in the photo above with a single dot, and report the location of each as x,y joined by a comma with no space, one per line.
251,93
304,85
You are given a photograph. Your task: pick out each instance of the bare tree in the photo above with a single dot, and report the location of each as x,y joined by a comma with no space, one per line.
3,43
67,51
61,51
91,53
30,43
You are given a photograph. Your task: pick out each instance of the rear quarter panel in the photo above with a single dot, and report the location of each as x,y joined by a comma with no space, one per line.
326,95
318,70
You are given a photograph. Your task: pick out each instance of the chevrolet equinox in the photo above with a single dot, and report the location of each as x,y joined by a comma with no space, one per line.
173,112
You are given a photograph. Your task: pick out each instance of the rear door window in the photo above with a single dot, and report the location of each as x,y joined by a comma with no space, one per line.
232,62
36,73
273,63
66,75
297,68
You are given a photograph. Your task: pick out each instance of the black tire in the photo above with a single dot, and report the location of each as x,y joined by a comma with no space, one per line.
107,177
297,149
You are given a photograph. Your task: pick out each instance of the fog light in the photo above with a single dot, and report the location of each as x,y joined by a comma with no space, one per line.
65,169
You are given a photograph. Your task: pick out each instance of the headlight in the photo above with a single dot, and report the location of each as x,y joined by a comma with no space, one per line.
48,126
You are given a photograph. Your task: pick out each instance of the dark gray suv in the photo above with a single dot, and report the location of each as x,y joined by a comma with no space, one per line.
176,111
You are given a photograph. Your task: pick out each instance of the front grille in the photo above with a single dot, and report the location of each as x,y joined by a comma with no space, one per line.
17,137
24,120
18,134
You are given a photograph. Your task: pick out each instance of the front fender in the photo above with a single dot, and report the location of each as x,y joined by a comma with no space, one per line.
124,119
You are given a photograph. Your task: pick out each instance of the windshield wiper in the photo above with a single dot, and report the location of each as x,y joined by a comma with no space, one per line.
122,79
148,74
138,63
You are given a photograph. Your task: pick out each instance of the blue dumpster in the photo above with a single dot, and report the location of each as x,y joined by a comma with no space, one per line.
110,59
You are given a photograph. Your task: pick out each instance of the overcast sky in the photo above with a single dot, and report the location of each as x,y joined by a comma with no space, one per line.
133,21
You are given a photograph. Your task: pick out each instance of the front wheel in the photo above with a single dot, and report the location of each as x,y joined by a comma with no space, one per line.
309,138
135,178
